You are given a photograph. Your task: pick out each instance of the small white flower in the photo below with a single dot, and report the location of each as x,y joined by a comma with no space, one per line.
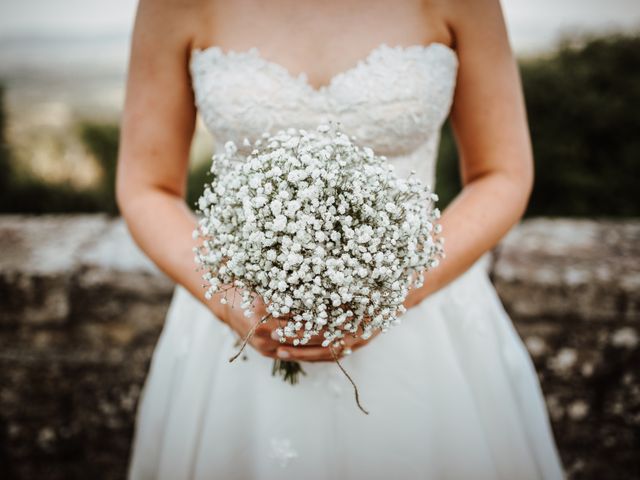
390,207
279,223
276,207
292,207
230,148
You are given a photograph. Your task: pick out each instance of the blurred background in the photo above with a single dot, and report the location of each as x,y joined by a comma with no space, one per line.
81,308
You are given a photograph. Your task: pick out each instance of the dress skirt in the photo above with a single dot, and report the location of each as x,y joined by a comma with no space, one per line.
452,394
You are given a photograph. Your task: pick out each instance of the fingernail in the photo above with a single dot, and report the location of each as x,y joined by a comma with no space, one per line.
274,335
283,354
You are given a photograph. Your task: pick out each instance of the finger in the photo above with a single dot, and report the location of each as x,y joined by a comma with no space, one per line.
269,329
358,343
307,354
264,331
266,328
314,341
269,354
264,345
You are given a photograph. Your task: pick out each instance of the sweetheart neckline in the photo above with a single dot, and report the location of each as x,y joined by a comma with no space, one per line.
302,76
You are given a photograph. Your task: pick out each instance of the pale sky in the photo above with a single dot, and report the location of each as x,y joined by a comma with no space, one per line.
532,24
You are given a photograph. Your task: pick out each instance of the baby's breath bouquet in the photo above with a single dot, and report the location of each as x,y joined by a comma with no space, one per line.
321,228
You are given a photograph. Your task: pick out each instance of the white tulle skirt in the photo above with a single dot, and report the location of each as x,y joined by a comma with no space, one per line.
452,393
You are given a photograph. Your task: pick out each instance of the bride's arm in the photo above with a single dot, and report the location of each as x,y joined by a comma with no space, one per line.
490,127
156,132
157,126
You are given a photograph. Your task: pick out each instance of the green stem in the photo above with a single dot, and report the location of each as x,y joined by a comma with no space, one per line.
289,370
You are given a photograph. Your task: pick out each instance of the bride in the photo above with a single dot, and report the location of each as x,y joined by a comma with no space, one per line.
452,391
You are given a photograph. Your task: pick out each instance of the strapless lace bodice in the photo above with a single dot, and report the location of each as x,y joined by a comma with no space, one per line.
394,101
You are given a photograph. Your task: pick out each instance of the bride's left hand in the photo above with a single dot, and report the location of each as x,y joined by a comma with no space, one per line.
318,353
414,297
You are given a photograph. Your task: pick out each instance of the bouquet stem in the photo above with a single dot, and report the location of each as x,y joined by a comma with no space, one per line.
355,388
289,370
248,336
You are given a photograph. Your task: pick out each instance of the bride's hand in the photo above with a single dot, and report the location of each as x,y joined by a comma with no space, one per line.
315,352
262,339
414,297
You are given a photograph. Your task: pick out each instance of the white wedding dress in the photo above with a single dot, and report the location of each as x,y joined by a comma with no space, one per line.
452,391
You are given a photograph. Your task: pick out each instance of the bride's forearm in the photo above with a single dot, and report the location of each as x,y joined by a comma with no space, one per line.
483,212
473,223
161,224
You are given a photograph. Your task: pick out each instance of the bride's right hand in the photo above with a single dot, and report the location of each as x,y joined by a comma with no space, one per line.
232,314
263,339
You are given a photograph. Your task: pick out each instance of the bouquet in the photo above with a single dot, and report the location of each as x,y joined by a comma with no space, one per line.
322,229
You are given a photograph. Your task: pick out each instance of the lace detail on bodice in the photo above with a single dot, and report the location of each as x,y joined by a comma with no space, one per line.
394,101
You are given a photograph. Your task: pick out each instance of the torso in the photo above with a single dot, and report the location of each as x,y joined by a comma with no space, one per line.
320,39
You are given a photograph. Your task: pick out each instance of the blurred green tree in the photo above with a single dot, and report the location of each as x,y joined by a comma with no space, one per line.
582,105
102,142
5,160
195,184
22,193
582,109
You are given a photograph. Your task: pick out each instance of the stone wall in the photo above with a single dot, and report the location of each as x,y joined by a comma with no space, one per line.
81,309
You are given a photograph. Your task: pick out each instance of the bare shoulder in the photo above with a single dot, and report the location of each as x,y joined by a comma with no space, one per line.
167,23
159,98
488,113
476,25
